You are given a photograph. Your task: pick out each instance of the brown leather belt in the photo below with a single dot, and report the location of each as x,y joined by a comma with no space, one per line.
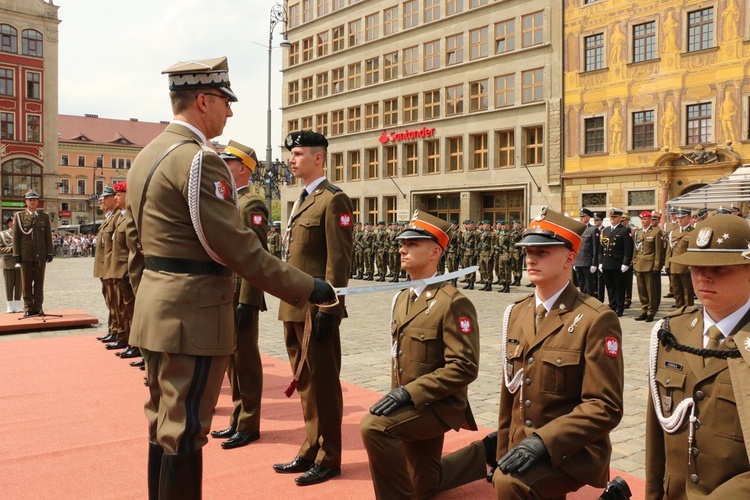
184,266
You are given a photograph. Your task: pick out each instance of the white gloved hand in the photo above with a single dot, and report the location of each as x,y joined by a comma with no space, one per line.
623,268
592,269
601,266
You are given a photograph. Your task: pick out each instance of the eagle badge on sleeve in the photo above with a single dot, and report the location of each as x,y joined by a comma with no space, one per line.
612,347
222,190
257,219
464,325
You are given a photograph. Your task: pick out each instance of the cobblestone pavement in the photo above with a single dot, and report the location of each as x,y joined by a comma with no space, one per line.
365,346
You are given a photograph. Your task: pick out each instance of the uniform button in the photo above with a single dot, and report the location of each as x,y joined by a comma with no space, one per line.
694,451
668,379
558,361
421,336
528,381
565,457
400,353
527,423
531,360
296,300
694,478
402,335
400,370
700,396
527,403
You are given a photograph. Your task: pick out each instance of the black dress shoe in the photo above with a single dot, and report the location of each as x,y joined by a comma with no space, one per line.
28,314
101,339
641,317
138,364
110,338
299,464
116,345
649,318
130,352
317,474
224,433
240,439
669,296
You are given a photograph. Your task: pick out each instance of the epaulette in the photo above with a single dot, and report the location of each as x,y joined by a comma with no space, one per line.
592,302
333,188
531,295
683,310
449,289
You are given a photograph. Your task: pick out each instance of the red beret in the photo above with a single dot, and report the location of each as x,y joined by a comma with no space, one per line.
645,213
120,187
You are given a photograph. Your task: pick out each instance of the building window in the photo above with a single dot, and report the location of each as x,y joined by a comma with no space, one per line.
355,119
390,66
337,122
699,123
307,11
307,123
453,7
81,161
700,29
644,42
337,5
390,112
478,144
33,85
64,160
505,90
307,49
594,134
293,92
391,208
432,55
454,49
455,154
322,7
321,123
8,39
321,87
7,87
355,209
454,100
532,27
354,165
477,3
294,54
411,108
390,21
643,129
372,27
19,176
307,89
372,163
64,186
338,167
337,38
594,52
31,44
322,44
355,33
478,96
505,140
533,145
355,76
532,83
431,104
81,186
391,161
372,209
411,61
337,80
431,10
505,36
291,126
640,200
478,43
411,159
411,14
432,156
7,126
33,128
372,115
372,71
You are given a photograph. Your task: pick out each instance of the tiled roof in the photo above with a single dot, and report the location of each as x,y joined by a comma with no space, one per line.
92,129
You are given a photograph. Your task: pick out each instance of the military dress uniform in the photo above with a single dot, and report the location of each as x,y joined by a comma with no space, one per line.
118,271
452,251
485,248
516,254
11,273
648,259
503,259
616,251
368,255
588,258
100,258
274,243
682,286
469,254
32,247
394,257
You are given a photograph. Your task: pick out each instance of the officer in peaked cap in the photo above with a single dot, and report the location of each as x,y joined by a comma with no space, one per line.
241,153
648,258
586,265
201,74
31,195
615,254
735,209
701,214
403,431
699,364
723,210
102,259
677,245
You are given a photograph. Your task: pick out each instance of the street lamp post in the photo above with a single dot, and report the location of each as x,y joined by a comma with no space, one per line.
278,15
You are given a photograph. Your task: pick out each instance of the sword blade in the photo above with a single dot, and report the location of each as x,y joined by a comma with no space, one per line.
354,290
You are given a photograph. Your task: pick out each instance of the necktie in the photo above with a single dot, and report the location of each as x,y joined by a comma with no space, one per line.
714,338
412,299
302,196
541,312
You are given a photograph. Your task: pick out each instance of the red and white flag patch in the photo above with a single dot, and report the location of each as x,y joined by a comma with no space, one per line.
222,190
345,220
257,219
612,347
464,325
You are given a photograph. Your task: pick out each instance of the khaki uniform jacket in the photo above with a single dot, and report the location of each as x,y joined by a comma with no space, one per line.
99,246
678,243
320,243
668,226
192,313
36,245
437,346
6,248
648,253
719,465
108,236
254,215
118,259
572,384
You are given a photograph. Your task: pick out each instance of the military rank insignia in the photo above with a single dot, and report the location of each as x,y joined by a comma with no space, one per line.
222,190
257,219
611,347
345,220
464,325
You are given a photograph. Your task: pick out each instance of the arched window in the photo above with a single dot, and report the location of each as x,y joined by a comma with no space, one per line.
8,38
20,175
31,44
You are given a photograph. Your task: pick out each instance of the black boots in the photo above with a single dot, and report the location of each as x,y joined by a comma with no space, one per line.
155,453
181,476
617,489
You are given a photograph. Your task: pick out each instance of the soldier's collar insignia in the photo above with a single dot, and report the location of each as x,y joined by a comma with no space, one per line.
704,238
562,306
694,322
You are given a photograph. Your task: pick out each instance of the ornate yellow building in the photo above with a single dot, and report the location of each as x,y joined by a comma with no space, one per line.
656,99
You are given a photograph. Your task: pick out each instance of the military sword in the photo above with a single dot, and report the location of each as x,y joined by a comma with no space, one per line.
354,290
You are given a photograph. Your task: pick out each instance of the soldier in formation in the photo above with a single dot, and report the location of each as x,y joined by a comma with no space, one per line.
469,251
503,260
648,259
11,271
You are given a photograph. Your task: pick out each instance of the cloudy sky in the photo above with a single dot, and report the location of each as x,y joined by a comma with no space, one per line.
112,55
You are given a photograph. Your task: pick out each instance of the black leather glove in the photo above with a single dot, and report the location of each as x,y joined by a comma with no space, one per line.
520,459
244,316
49,258
17,259
392,401
324,325
322,292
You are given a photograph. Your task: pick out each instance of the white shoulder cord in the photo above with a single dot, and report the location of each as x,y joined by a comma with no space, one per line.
285,239
7,238
511,384
674,422
394,343
194,188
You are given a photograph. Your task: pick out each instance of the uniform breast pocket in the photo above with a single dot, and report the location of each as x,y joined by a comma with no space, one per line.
671,387
308,227
726,420
423,345
561,373
213,318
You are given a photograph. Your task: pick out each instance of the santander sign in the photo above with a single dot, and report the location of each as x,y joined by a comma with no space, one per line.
406,135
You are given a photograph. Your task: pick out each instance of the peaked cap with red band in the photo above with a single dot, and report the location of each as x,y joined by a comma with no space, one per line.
550,228
425,226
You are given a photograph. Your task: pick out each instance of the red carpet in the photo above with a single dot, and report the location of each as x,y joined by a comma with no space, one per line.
62,318
73,428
